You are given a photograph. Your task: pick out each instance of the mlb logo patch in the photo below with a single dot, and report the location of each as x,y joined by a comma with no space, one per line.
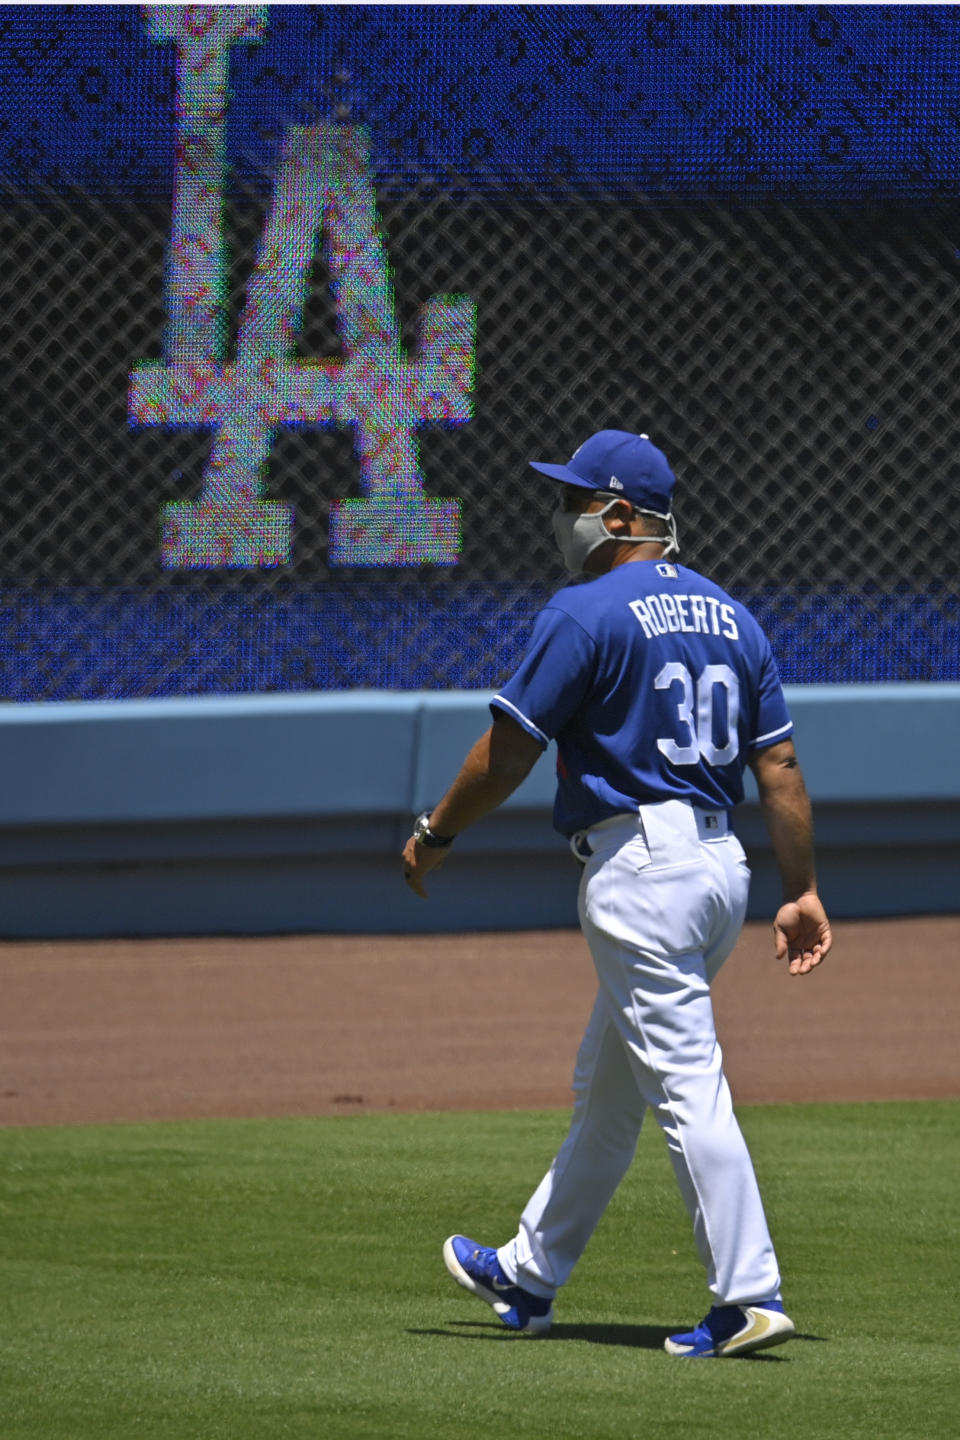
669,572
711,822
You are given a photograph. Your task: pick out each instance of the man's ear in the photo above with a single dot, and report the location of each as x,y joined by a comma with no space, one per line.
622,517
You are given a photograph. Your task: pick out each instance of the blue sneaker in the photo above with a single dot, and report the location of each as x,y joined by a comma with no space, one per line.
477,1269
734,1330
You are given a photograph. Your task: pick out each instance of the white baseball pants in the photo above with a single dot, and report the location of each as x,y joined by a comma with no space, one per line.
662,901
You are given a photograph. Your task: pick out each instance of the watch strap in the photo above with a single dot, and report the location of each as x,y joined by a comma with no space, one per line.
425,836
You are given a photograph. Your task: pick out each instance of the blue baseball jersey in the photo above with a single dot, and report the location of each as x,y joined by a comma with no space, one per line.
655,684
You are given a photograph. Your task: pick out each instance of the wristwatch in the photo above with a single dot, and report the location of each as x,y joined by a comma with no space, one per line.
425,836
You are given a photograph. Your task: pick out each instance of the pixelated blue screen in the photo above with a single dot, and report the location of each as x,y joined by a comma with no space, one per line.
805,102
744,105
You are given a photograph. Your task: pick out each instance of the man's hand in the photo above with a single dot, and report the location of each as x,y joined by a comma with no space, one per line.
801,933
502,757
418,861
801,930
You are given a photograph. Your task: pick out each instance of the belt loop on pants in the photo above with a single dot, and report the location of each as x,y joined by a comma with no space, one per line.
664,817
583,843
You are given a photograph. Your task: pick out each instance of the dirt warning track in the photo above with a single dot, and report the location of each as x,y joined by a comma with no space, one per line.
320,1024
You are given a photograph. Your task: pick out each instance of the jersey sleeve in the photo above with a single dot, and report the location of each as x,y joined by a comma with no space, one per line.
553,677
771,718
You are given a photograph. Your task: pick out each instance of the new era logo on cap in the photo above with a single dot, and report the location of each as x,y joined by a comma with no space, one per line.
625,463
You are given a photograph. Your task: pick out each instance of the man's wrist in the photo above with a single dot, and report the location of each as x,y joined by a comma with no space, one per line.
793,893
424,834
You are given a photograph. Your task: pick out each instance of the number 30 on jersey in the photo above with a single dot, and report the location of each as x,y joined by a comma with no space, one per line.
697,715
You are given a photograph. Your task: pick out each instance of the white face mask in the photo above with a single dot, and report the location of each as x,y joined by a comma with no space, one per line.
577,536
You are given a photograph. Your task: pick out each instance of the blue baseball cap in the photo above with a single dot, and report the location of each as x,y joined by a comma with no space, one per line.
621,463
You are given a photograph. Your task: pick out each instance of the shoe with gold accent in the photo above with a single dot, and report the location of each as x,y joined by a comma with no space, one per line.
734,1330
478,1270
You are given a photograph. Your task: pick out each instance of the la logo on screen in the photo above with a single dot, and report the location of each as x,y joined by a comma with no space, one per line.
323,193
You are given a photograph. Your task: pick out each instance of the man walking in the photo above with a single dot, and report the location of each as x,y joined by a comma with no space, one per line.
659,689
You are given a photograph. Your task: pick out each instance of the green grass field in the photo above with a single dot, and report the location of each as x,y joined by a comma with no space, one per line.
267,1279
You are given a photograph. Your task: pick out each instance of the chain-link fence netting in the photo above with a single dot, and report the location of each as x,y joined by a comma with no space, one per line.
798,365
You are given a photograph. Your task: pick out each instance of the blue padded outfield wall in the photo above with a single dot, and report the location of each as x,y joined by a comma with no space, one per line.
291,294
286,813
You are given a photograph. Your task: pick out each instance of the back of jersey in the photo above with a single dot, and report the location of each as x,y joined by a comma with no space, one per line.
655,684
